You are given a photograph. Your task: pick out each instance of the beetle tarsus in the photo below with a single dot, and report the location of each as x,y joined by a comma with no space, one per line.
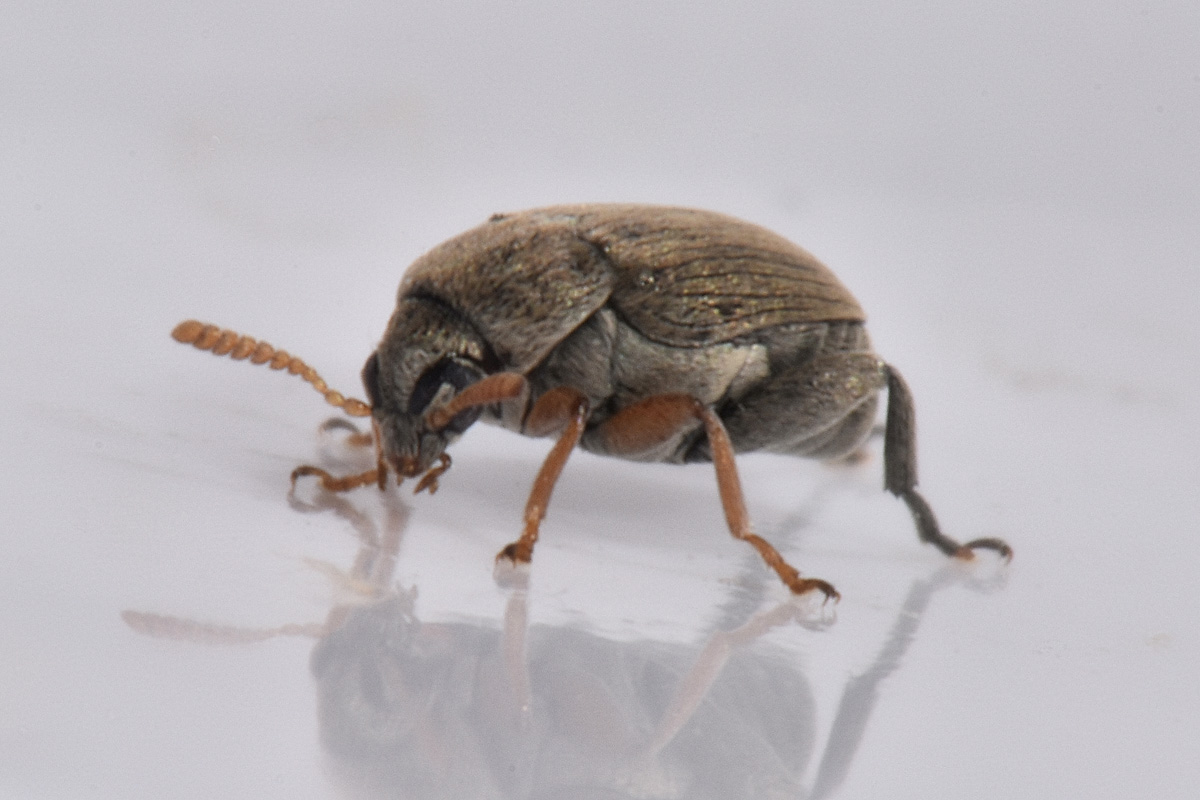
929,531
967,551
430,479
521,551
802,585
332,483
518,552
354,437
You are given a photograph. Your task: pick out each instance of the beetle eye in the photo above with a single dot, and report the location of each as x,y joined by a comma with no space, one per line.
370,379
447,371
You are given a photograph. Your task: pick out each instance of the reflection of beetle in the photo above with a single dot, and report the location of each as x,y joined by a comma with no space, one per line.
437,710
429,710
461,709
647,333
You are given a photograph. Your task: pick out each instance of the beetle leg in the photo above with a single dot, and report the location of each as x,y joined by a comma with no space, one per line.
900,474
644,425
378,476
331,483
430,479
494,388
354,437
561,408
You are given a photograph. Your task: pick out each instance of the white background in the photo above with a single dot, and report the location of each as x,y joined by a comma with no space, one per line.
1011,190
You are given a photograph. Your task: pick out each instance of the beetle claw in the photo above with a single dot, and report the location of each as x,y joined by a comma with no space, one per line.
802,585
967,551
516,553
430,479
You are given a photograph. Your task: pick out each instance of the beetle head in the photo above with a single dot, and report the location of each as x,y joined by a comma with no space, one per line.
428,355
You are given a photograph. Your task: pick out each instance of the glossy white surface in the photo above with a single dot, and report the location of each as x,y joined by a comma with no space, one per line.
1012,193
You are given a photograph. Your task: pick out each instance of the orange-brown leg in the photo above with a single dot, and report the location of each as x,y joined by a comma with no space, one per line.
562,409
332,483
354,437
429,481
641,427
494,388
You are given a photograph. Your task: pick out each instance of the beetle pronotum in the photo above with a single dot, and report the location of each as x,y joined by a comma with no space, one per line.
643,332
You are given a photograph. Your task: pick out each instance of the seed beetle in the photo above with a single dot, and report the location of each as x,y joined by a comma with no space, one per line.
642,332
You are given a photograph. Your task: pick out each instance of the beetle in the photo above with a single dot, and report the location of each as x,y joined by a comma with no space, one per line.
648,333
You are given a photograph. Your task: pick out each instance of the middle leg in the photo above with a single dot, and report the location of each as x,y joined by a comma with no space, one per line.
646,425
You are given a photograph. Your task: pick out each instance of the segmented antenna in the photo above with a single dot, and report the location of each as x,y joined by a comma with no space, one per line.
229,343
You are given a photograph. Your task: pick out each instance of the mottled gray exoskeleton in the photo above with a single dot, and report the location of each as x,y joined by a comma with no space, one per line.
642,332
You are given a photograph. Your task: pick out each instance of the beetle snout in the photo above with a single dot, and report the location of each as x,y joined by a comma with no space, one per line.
407,466
409,447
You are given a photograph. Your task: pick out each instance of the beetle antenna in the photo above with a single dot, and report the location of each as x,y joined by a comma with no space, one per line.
230,343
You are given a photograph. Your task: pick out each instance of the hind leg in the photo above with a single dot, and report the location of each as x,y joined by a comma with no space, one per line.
825,408
900,473
647,425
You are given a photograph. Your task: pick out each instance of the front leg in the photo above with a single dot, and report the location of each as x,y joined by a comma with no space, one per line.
564,409
560,409
648,424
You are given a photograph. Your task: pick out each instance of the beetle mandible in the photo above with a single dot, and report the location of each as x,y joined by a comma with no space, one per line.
643,332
